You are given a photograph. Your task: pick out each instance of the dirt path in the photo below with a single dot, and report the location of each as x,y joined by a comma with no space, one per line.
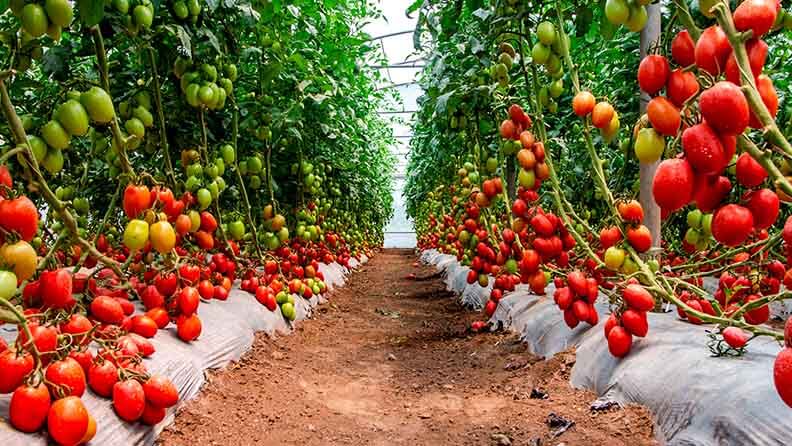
390,362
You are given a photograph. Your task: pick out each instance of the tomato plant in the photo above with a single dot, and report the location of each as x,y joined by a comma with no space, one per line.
567,211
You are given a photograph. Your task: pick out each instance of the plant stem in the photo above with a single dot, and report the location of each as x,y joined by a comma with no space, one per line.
161,116
121,141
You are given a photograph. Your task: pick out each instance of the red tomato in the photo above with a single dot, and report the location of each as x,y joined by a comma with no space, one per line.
188,327
29,407
102,377
129,400
160,392
144,326
21,216
136,200
188,300
68,421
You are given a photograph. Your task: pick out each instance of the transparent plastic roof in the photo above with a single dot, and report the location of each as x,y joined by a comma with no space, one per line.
394,33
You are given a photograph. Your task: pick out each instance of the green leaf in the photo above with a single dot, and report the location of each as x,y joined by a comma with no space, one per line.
271,71
91,11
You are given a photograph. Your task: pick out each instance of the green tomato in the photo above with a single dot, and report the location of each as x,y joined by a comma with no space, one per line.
34,20
122,6
214,190
53,162
254,164
191,94
136,234
59,12
206,95
540,53
211,171
638,18
527,178
227,152
73,118
617,11
556,88
649,145
204,198
694,219
8,284
192,183
492,165
629,266
237,229
134,126
194,7
39,147
180,10
81,205
98,104
692,236
143,15
144,115
614,258
55,135
220,164
546,33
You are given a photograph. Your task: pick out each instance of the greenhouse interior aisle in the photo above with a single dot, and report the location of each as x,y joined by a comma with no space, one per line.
390,361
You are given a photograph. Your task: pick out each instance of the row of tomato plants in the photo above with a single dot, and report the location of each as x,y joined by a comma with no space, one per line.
250,159
708,97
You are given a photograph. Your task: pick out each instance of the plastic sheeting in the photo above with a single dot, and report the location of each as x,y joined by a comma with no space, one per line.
472,296
696,399
228,332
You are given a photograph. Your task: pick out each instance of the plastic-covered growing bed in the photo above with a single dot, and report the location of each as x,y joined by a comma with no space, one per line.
696,399
229,328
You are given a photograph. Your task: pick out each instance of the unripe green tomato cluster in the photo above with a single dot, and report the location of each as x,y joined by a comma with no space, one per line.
136,15
549,51
499,72
699,233
70,118
630,13
253,168
207,85
206,181
186,10
138,117
307,229
39,18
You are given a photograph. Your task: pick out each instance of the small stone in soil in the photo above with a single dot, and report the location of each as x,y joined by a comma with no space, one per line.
604,404
559,423
538,394
500,440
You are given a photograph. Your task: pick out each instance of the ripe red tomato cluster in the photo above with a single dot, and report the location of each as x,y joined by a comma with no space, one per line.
710,145
576,298
630,321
